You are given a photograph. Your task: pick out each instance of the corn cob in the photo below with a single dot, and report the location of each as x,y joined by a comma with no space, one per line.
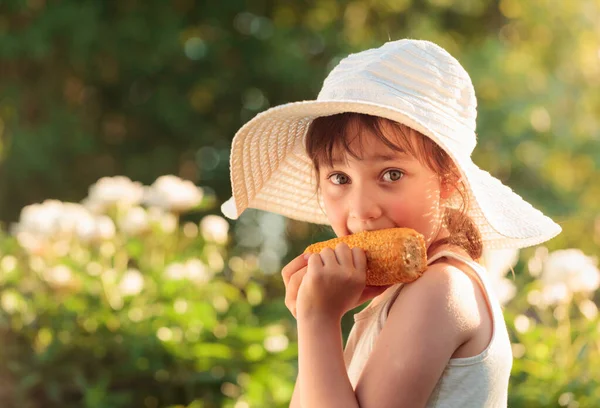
394,255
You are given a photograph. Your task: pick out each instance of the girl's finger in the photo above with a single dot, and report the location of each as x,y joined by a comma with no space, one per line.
291,268
344,255
360,259
315,260
294,284
291,292
327,257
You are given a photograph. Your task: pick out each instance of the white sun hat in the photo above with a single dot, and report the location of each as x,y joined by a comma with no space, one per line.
413,82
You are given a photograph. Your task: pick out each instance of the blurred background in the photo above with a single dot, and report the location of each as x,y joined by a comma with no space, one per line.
120,283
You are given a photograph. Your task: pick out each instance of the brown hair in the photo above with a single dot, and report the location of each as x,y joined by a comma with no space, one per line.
328,132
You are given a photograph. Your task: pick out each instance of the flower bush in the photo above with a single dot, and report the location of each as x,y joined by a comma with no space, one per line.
121,302
137,296
555,328
551,311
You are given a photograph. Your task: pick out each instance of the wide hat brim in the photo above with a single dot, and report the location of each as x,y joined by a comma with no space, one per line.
271,171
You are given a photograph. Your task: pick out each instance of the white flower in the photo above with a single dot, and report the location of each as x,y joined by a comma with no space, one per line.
105,227
8,263
11,301
41,220
42,225
86,228
71,218
109,191
131,283
175,271
536,262
572,268
94,268
60,275
522,323
193,269
197,271
505,290
95,228
135,221
53,219
553,294
214,228
588,309
498,262
164,334
276,343
165,220
190,230
31,243
173,194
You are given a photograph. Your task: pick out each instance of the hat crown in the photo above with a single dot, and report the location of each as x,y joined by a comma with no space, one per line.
413,76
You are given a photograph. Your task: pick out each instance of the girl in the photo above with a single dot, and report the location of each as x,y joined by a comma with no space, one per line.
387,144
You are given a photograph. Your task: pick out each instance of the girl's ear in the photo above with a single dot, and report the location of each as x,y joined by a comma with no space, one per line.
448,186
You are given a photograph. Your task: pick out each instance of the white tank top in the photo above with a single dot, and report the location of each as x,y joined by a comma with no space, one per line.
477,381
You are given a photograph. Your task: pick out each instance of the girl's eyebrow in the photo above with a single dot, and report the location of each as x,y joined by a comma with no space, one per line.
376,158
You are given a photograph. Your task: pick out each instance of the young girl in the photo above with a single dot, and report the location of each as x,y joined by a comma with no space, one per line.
387,144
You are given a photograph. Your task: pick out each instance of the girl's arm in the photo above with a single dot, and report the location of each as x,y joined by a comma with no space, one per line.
322,375
295,402
433,317
292,275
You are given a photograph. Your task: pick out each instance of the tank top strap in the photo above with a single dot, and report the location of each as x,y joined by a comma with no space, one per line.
448,254
477,268
390,295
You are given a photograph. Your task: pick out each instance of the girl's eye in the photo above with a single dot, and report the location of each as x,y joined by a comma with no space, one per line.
393,175
338,178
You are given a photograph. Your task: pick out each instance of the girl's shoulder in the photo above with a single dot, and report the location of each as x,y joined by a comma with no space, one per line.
454,284
431,318
446,292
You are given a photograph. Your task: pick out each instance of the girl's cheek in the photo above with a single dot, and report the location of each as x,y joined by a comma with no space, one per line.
401,209
333,192
332,204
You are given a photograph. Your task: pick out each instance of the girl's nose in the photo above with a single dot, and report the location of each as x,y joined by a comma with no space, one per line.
364,206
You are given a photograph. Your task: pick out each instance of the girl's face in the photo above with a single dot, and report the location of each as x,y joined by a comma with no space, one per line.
383,189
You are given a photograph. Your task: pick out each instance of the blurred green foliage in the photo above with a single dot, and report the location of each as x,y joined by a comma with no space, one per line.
145,320
100,88
142,89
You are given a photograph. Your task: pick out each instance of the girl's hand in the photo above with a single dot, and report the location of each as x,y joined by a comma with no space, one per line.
334,282
293,274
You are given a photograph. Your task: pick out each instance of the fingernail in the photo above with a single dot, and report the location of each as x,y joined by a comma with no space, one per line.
306,256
